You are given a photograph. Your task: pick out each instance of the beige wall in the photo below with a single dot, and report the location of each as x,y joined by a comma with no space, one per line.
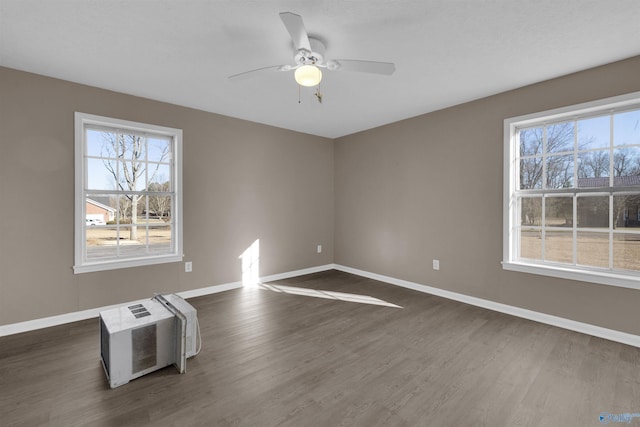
242,181
431,188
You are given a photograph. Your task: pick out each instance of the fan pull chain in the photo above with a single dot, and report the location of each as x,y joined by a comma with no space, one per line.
298,94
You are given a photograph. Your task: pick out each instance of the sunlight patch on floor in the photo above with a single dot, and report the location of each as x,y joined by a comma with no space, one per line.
363,299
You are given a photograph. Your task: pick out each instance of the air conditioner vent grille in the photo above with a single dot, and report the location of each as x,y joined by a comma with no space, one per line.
139,311
144,348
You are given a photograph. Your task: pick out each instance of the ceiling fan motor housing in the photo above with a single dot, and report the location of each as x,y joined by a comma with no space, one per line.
315,56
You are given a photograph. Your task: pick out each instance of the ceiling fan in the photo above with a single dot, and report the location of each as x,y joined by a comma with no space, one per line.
309,58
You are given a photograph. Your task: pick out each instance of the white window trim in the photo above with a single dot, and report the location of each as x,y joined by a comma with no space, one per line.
510,243
83,266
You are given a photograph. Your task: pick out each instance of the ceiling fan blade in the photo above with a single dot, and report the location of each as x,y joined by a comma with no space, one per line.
386,68
245,74
296,29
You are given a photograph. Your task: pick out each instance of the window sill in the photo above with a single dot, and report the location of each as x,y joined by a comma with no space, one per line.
561,272
114,265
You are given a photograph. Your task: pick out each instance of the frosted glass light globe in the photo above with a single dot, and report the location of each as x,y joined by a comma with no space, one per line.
308,75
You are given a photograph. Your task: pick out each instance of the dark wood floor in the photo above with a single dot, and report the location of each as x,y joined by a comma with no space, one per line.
278,359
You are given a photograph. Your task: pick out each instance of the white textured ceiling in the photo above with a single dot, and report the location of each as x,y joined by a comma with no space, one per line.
446,51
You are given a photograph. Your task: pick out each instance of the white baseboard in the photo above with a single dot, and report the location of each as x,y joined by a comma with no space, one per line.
209,290
585,328
297,273
46,322
61,319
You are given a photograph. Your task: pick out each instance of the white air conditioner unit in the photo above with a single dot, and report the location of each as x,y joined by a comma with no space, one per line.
141,338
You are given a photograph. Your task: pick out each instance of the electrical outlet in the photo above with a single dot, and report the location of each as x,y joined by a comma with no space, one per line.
188,267
436,264
319,249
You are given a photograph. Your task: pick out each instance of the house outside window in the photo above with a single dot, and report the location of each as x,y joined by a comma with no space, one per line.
128,201
572,190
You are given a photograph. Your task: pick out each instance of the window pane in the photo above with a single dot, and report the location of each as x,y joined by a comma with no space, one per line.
626,128
128,146
560,137
95,142
558,246
160,238
626,211
593,164
159,177
594,133
142,212
558,212
123,206
531,173
626,251
593,212
159,186
100,208
102,242
160,207
131,175
593,249
593,169
115,145
99,176
530,243
531,142
135,243
560,171
132,207
111,174
159,149
626,166
531,211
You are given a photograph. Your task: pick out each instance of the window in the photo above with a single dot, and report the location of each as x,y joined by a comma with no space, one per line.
128,202
572,192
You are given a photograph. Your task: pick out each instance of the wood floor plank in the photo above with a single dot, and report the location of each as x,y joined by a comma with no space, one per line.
273,357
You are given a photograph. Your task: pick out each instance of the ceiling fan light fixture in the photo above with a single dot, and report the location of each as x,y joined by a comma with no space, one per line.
308,75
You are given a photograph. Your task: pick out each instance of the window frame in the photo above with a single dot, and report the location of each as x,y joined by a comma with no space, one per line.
83,265
511,237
